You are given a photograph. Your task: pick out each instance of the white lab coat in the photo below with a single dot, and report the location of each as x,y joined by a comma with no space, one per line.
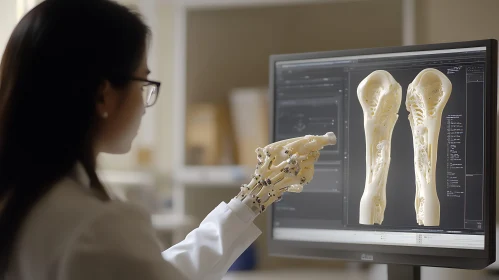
72,235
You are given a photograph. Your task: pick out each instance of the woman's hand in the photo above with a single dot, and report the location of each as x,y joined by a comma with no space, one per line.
283,166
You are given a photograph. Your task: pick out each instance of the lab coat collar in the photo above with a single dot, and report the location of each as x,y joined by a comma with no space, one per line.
80,175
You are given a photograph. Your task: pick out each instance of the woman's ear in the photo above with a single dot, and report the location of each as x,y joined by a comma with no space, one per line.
107,100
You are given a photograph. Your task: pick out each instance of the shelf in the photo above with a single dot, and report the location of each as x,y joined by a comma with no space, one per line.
123,177
216,176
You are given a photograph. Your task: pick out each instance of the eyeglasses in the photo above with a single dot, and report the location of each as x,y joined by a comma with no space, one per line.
150,91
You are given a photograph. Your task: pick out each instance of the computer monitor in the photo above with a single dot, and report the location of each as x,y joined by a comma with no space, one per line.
314,93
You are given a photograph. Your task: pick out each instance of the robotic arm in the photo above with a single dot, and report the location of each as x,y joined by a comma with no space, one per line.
283,166
209,250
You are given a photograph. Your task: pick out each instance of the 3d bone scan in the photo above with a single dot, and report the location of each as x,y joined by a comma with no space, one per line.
380,97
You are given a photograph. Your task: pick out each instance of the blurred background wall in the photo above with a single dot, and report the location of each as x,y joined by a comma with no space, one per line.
456,20
9,15
215,57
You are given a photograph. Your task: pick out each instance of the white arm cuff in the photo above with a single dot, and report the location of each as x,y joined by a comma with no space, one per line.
242,211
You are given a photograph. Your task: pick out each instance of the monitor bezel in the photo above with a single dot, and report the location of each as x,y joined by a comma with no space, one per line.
409,255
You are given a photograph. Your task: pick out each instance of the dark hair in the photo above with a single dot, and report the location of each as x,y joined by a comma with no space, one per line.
56,59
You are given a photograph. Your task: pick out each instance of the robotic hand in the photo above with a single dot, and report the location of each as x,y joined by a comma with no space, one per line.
283,166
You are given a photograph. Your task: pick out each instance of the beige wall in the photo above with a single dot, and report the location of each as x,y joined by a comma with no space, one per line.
8,21
164,124
10,12
230,48
456,20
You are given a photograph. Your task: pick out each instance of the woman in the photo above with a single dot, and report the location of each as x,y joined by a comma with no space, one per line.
73,84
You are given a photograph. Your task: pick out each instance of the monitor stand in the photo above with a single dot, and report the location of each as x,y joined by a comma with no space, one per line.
406,272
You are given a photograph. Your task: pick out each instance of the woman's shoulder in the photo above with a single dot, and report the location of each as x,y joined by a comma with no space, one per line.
70,205
70,212
71,208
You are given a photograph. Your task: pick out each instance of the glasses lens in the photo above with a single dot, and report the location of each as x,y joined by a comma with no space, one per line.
149,94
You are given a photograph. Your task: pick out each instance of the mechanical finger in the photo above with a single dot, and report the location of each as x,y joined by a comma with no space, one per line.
306,175
312,143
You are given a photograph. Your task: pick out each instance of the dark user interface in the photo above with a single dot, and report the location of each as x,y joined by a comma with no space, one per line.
318,96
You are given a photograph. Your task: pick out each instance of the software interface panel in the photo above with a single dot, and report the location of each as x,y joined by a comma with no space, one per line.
408,166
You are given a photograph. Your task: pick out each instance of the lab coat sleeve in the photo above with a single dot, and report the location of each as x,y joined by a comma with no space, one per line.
122,244
208,251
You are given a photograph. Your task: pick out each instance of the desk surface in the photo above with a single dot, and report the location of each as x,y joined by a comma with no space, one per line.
376,272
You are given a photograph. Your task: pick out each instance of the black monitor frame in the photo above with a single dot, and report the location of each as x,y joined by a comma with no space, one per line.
388,254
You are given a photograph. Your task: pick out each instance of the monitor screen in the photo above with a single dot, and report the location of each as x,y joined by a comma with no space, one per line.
412,171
